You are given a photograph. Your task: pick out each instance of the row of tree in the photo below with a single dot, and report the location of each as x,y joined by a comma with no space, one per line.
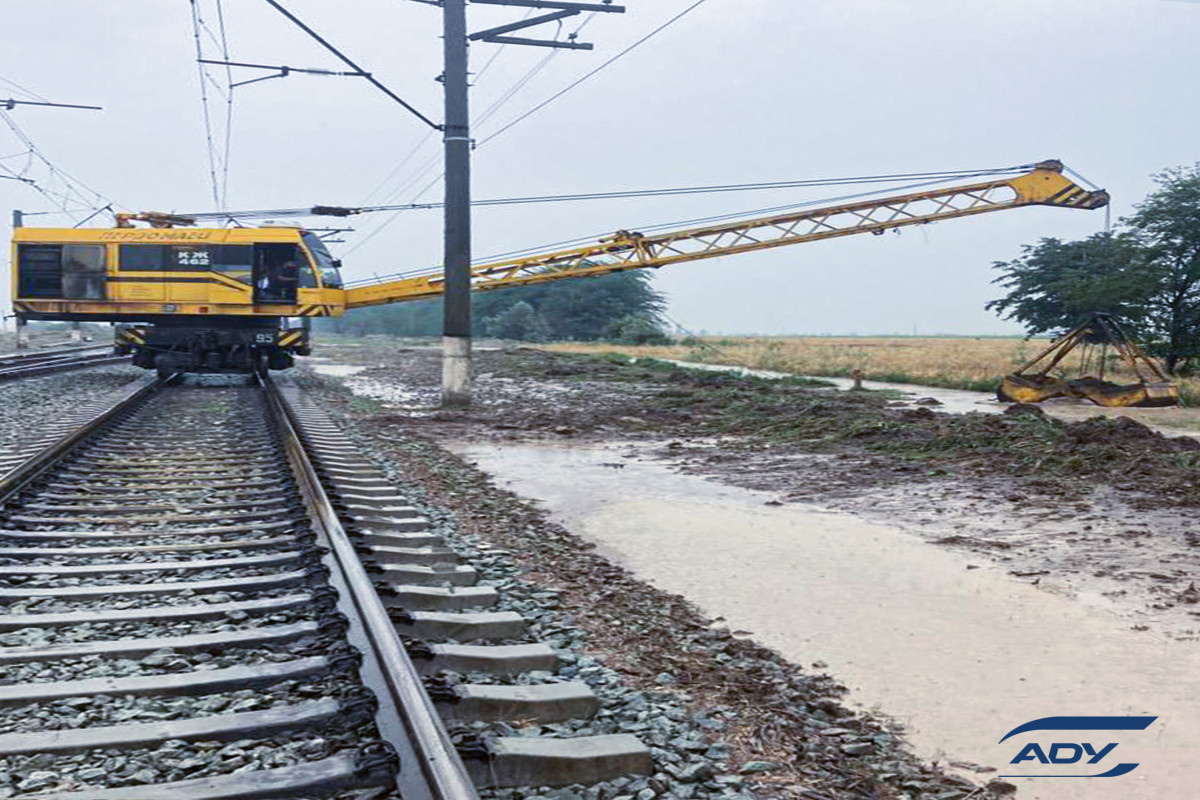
1146,273
619,307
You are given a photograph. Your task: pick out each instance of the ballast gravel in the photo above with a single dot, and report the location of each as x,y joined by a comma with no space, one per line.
29,404
174,760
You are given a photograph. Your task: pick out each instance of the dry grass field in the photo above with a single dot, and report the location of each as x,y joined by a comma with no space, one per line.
951,362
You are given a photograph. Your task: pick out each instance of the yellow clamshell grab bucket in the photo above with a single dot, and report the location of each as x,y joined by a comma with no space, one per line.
1100,331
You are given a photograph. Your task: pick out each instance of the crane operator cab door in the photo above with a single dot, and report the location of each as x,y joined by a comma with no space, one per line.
279,270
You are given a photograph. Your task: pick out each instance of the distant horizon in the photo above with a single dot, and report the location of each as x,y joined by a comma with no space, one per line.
942,335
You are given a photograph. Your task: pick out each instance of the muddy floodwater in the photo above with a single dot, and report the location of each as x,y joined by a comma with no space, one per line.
953,648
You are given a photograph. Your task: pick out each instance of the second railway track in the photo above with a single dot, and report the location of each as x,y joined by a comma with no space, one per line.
185,613
63,359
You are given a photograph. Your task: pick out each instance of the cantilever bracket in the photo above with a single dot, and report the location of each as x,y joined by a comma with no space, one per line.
516,26
565,9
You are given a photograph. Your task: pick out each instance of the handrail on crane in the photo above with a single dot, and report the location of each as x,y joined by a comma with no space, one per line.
1043,184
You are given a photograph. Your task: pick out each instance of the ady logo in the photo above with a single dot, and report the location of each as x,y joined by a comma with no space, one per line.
1072,752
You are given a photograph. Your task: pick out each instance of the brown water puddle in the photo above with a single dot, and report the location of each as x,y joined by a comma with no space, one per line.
960,654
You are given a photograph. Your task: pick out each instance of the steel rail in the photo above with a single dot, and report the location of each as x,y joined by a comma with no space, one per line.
406,717
46,364
31,356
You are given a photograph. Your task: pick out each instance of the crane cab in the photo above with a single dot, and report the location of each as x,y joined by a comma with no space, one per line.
186,299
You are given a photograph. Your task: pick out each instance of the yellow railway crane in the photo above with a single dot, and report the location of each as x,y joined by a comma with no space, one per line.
216,300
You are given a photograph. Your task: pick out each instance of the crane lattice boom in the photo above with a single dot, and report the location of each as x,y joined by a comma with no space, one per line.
1044,184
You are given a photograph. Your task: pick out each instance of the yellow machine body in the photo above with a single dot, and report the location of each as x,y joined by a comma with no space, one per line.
1025,389
1044,378
141,274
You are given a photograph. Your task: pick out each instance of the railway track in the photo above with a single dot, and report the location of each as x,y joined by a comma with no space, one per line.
205,593
27,365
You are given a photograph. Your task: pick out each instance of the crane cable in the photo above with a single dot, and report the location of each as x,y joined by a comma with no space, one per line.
925,180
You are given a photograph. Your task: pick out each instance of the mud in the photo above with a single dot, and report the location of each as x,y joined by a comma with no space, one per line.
1098,509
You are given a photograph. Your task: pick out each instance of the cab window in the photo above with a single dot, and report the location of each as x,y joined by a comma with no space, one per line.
235,261
330,277
83,271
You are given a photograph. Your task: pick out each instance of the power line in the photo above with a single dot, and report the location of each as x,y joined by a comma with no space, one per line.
72,189
228,106
208,128
492,109
396,170
274,4
429,135
542,105
21,88
588,75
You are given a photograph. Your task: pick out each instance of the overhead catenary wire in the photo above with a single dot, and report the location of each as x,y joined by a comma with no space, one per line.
589,75
14,85
228,106
346,59
429,134
72,192
428,163
506,97
208,127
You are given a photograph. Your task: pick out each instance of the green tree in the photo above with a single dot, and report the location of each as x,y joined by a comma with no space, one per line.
1055,285
574,308
520,322
636,329
1147,275
1167,228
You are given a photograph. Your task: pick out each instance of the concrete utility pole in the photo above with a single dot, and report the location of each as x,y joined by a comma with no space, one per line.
456,133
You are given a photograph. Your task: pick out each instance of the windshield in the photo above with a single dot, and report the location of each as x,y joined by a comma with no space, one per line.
329,273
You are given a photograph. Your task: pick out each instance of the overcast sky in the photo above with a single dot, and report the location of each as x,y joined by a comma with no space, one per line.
737,91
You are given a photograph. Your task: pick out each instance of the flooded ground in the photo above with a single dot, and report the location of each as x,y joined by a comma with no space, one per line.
954,648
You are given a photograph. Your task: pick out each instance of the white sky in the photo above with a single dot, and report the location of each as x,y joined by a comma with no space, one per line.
736,92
